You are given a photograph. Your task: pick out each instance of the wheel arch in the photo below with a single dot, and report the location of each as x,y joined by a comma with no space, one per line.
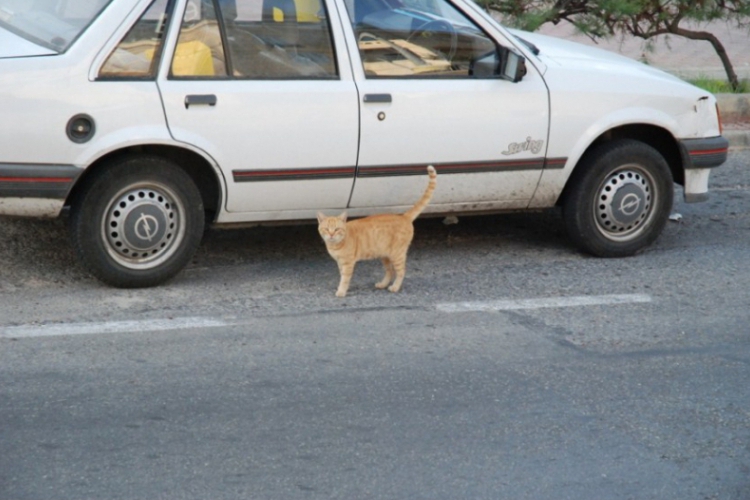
205,176
657,137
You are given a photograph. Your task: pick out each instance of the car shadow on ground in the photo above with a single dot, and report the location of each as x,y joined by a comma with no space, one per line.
521,231
38,252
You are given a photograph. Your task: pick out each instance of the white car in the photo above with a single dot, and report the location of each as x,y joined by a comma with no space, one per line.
152,118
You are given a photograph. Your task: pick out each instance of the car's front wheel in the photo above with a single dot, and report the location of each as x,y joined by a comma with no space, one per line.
619,199
137,222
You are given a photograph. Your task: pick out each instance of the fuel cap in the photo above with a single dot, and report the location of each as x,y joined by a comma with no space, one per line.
80,128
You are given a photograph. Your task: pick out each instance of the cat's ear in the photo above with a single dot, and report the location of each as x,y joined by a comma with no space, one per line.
343,216
321,217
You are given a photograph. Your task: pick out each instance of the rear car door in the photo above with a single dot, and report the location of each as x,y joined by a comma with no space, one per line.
258,85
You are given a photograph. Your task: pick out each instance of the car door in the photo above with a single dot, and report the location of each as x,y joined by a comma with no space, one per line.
429,95
258,85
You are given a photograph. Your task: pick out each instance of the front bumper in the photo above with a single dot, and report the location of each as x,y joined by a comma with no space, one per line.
699,156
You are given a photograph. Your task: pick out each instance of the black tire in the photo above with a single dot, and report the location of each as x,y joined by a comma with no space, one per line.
137,222
618,199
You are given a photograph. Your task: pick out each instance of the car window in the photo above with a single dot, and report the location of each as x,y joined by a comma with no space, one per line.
265,39
137,54
54,24
417,38
200,49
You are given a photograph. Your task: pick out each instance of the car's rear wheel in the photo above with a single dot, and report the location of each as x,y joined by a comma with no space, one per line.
619,199
138,222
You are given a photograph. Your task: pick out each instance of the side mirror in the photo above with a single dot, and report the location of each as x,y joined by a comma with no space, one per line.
486,65
513,66
501,63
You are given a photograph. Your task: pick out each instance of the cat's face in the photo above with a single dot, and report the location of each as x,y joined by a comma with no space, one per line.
332,229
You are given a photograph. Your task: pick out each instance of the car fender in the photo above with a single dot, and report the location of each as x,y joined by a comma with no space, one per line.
132,138
563,135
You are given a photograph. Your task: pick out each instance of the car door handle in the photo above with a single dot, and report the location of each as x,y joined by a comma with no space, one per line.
378,98
202,99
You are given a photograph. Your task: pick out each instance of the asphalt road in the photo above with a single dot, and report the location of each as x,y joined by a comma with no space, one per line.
510,366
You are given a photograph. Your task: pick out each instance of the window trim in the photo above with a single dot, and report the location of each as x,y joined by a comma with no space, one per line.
230,76
468,15
158,53
222,36
228,63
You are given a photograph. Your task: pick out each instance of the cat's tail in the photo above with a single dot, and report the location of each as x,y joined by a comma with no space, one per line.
414,211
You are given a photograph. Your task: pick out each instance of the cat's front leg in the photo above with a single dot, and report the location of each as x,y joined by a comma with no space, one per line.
346,271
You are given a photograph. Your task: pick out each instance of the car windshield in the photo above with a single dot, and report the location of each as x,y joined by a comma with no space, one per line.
54,24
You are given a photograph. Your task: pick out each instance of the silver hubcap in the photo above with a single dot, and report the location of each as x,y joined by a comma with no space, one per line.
143,226
625,203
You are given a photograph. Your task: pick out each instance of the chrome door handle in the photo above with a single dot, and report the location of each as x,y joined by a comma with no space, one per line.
378,98
200,99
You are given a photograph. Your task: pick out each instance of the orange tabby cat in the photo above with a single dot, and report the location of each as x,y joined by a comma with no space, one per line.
386,237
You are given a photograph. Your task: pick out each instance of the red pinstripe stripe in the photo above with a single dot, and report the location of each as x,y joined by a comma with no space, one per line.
35,179
294,172
708,152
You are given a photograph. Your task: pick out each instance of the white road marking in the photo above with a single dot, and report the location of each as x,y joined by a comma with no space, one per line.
541,303
157,325
152,325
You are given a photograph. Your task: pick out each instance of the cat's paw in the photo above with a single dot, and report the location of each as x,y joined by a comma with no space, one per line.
339,293
381,284
394,288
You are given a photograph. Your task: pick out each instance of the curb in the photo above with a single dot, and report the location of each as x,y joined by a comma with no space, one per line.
738,139
733,108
